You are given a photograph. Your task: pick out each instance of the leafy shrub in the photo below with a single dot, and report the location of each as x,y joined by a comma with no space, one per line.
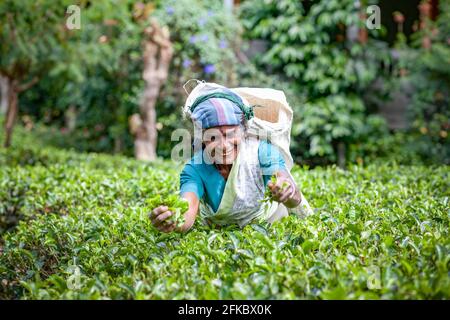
99,78
203,34
42,180
308,45
426,68
102,80
379,231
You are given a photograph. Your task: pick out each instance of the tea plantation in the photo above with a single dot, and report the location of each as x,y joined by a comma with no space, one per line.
75,226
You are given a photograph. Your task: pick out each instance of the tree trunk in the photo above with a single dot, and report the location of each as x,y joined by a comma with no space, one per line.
14,89
11,113
70,118
157,56
363,35
118,145
4,93
341,155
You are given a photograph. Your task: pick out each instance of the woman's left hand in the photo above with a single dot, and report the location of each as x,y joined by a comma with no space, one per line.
284,190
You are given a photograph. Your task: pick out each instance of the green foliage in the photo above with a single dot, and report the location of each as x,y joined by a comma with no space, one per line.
378,232
203,34
428,71
102,77
308,45
177,205
42,180
32,37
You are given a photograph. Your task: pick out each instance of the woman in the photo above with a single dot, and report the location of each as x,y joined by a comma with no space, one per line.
226,180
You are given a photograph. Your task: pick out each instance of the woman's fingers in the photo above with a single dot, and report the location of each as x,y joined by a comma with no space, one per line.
286,193
162,217
280,182
274,188
157,211
167,227
281,190
159,216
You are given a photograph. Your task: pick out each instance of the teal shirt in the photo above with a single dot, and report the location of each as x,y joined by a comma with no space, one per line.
206,182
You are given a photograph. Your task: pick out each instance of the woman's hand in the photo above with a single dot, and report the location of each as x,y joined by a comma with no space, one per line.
284,190
159,217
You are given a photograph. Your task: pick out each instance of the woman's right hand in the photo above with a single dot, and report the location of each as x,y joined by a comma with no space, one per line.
159,217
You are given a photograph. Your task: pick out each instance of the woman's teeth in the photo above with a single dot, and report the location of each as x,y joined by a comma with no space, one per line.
227,152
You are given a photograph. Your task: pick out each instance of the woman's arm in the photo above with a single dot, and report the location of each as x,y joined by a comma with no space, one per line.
272,162
192,212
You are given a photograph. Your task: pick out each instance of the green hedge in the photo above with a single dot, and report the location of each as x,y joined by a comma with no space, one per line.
379,231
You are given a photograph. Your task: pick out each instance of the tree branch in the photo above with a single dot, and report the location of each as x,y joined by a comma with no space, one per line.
27,85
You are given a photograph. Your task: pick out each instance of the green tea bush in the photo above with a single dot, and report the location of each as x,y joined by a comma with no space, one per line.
37,179
75,226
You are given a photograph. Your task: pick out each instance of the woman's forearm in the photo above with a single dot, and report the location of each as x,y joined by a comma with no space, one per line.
189,217
295,199
191,214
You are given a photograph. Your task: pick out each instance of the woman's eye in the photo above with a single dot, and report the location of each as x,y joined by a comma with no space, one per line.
232,134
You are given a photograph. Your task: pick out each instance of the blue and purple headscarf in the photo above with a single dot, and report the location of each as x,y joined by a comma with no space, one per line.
219,108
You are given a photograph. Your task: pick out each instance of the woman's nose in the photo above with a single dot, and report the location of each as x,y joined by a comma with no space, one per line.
221,145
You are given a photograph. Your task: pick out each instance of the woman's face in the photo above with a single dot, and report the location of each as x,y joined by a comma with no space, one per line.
222,143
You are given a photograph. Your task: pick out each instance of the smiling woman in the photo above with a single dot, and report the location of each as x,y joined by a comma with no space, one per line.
225,182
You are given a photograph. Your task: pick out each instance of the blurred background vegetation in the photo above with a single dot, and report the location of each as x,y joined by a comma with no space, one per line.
357,94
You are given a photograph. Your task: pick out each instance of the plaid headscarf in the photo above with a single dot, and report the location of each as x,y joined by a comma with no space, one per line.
222,107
